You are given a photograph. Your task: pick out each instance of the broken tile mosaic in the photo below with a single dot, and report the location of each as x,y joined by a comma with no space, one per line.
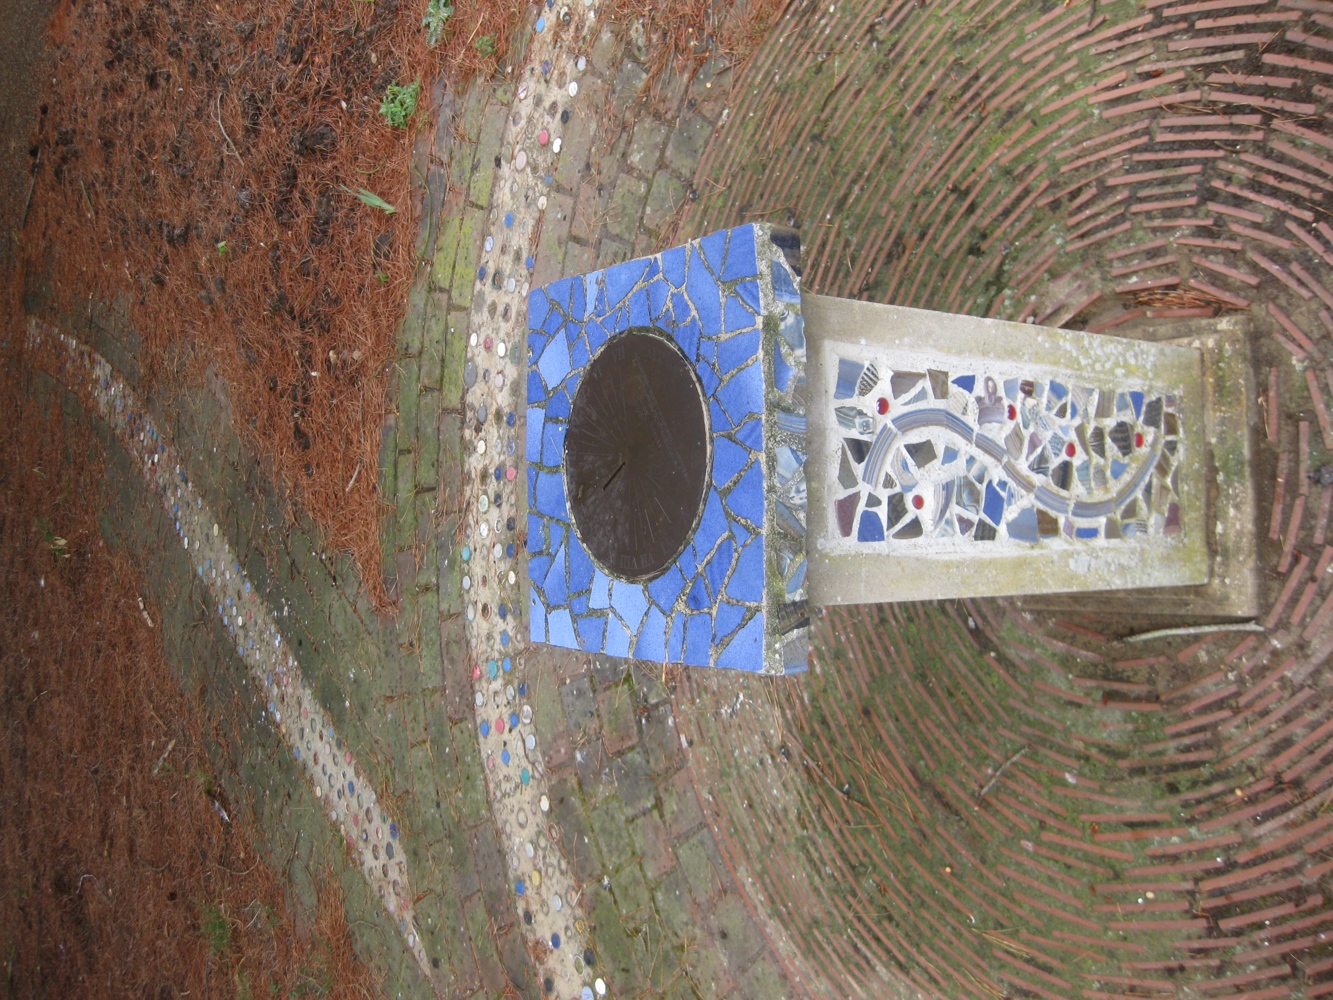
730,305
998,458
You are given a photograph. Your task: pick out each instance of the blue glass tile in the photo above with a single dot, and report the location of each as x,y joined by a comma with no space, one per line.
553,443
536,415
536,343
673,266
993,507
550,496
553,324
1086,533
618,641
579,353
728,459
556,531
782,372
1023,526
966,382
792,331
560,629
577,307
538,306
536,616
1118,468
592,630
697,599
746,649
737,350
640,309
708,350
580,566
739,532
726,620
871,528
741,255
596,333
747,497
536,533
600,595
707,378
797,579
718,567
698,639
536,390
714,247
743,393
735,316
950,455
558,407
579,604
747,579
651,643
538,567
1058,390
659,303
556,585
554,363
621,279
720,422
748,292
666,588
1135,398
594,289
784,284
676,640
751,434
629,602
848,373
687,333
712,523
705,296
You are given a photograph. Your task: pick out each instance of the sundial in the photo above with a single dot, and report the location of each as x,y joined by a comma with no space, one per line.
710,453
636,455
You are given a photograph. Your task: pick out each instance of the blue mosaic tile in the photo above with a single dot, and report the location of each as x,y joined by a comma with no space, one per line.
553,443
742,260
560,629
536,416
713,297
580,569
747,496
600,591
718,567
728,459
592,632
714,250
618,640
726,621
651,643
747,580
738,350
629,602
554,363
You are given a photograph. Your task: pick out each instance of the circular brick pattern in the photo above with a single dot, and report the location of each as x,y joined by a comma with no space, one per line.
965,799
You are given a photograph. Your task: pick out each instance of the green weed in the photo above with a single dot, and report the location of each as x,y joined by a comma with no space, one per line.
216,929
437,12
486,45
400,103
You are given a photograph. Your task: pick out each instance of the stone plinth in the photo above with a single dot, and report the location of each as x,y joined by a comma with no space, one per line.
954,456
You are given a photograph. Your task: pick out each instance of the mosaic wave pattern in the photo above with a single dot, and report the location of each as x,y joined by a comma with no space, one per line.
930,455
715,298
350,803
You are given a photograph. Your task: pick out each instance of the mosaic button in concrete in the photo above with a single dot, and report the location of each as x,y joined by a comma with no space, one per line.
729,590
